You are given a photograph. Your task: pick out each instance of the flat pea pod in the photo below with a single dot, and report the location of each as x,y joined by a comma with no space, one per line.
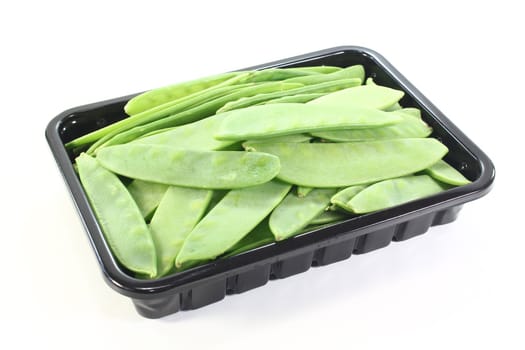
281,119
413,111
273,74
324,165
328,86
329,216
155,97
395,107
147,195
295,213
392,192
258,237
100,136
444,172
342,197
409,127
200,111
119,217
299,98
215,234
371,96
190,168
197,135
320,69
356,71
302,191
178,213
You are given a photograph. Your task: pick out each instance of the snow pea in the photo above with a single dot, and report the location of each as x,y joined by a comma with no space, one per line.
371,96
258,237
215,234
156,97
328,216
278,139
295,213
119,217
328,86
356,71
392,192
302,191
354,163
147,195
190,168
409,126
179,211
444,172
281,119
299,98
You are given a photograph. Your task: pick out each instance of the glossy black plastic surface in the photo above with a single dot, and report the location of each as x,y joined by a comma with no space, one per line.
209,283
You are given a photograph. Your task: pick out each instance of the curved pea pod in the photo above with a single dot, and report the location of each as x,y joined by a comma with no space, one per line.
205,108
444,172
371,96
273,74
328,86
392,192
409,127
328,217
190,168
259,236
356,71
299,98
291,118
178,213
156,97
197,135
413,111
119,217
295,213
355,163
342,197
215,233
147,195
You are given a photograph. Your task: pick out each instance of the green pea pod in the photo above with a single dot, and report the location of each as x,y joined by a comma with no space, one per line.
156,97
371,96
200,111
328,86
291,118
120,219
215,234
324,165
395,107
443,172
392,192
342,197
273,74
278,139
299,98
197,136
147,195
328,216
172,222
356,71
320,69
190,168
409,127
258,237
294,213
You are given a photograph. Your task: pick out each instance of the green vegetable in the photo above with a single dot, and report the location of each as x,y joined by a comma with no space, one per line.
370,96
342,197
444,172
392,192
119,217
346,164
147,195
215,233
190,168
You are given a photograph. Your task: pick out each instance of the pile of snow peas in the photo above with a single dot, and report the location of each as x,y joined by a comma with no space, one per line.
213,167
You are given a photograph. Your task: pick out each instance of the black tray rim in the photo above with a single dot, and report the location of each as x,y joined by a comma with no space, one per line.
319,238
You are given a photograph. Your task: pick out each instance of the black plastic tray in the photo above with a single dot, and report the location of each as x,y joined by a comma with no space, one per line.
209,283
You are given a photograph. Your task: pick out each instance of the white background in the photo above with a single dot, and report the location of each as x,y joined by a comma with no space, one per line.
459,286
